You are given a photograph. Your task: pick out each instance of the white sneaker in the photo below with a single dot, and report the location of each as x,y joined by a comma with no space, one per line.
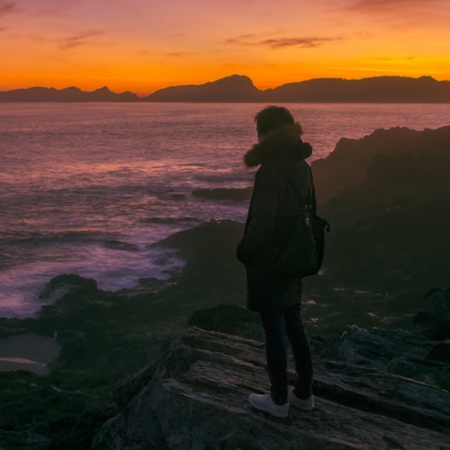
266,404
305,405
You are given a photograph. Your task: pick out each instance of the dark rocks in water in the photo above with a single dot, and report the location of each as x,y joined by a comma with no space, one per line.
71,284
434,319
217,240
211,270
177,196
236,195
195,397
118,245
149,285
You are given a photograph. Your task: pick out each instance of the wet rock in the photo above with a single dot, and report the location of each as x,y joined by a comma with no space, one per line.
195,397
236,195
72,284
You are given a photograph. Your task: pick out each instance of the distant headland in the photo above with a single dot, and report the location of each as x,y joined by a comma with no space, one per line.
240,88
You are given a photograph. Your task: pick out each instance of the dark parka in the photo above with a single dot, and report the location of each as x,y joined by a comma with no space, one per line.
283,184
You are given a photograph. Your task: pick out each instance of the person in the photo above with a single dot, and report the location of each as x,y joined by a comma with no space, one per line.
283,183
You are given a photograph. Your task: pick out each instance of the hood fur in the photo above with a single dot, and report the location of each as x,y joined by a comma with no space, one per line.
282,143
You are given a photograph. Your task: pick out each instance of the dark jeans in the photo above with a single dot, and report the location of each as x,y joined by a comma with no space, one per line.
277,325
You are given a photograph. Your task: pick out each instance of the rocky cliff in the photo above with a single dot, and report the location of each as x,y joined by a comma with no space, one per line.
195,397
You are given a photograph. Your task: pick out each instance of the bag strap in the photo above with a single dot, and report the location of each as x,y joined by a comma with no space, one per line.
309,196
302,207
309,203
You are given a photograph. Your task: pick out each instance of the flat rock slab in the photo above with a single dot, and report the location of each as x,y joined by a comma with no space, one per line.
195,397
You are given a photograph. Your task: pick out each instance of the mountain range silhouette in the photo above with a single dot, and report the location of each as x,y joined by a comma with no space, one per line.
240,88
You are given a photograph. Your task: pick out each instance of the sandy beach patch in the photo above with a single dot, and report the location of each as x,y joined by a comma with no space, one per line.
30,352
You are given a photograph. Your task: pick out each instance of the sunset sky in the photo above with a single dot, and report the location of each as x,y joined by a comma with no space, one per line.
144,45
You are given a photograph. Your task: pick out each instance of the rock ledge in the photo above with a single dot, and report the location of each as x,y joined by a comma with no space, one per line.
195,397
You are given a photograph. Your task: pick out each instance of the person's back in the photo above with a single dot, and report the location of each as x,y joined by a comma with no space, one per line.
294,178
283,184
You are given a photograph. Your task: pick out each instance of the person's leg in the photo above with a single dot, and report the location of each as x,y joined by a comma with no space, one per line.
300,350
276,354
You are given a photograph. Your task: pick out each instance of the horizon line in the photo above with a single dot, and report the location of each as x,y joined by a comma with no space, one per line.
222,78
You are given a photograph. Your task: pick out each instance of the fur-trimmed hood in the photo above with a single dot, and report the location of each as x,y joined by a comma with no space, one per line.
284,142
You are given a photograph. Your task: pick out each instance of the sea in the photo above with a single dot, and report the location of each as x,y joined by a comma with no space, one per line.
86,188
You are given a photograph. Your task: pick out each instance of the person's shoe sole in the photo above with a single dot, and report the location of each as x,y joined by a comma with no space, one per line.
267,410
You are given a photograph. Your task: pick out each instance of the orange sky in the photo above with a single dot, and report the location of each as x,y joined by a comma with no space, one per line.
144,45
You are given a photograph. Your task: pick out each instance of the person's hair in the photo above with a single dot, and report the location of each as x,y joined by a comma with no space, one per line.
272,117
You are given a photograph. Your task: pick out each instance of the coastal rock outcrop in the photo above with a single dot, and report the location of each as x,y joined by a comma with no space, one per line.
399,156
386,197
68,284
230,194
195,397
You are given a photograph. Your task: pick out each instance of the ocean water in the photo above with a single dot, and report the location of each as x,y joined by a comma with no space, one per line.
86,188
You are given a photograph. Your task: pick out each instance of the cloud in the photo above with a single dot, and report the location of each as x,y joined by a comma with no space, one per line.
250,40
78,39
399,6
407,14
179,54
7,7
168,54
404,58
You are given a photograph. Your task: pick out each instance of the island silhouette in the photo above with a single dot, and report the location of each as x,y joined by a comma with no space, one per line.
240,88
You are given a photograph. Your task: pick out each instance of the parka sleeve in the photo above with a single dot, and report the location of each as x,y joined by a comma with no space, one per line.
262,215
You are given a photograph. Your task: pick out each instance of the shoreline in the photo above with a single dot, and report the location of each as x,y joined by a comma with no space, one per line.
29,352
382,256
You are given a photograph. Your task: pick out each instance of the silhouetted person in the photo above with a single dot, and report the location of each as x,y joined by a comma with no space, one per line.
282,185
